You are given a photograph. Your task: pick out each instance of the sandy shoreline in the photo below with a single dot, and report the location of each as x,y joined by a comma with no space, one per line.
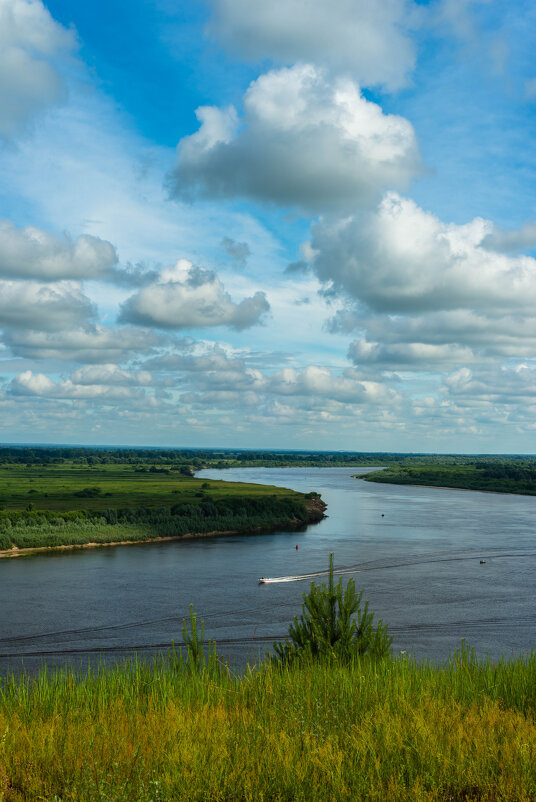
16,552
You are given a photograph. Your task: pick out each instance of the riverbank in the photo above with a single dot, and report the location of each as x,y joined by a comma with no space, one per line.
315,509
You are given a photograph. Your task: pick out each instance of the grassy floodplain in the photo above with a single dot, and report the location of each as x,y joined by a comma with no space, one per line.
498,476
68,503
390,730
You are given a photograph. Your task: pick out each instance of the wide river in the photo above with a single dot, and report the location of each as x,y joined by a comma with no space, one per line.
415,551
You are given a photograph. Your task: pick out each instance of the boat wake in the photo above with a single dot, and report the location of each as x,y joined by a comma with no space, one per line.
299,577
379,565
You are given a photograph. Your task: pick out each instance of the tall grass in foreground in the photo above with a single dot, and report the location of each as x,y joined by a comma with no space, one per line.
388,730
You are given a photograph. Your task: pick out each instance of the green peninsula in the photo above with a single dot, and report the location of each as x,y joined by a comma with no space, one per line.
61,500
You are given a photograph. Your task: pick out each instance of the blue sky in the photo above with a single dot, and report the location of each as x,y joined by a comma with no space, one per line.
296,224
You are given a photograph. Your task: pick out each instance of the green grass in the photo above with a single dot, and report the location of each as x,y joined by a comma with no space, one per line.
390,730
54,488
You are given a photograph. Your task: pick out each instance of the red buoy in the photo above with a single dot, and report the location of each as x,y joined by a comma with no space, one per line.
296,548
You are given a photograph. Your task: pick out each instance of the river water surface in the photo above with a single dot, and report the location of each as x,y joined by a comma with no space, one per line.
415,551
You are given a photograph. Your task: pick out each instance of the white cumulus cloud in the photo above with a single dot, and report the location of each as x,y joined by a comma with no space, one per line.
304,141
186,297
38,384
503,384
402,259
319,382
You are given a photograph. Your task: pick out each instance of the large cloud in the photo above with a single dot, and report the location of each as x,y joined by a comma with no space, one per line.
423,295
30,42
219,384
303,141
364,37
401,259
187,297
30,305
93,344
33,253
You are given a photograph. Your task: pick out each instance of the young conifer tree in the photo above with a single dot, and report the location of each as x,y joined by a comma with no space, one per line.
334,625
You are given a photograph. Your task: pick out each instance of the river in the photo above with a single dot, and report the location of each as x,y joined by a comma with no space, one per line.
415,551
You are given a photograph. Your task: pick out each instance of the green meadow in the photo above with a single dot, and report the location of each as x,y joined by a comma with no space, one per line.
118,486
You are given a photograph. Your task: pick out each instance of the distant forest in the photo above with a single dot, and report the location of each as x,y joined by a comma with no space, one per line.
195,459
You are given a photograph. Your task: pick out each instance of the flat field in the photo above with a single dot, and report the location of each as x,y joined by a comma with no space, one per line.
115,486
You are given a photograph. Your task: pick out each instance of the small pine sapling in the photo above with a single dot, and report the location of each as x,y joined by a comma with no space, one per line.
335,625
